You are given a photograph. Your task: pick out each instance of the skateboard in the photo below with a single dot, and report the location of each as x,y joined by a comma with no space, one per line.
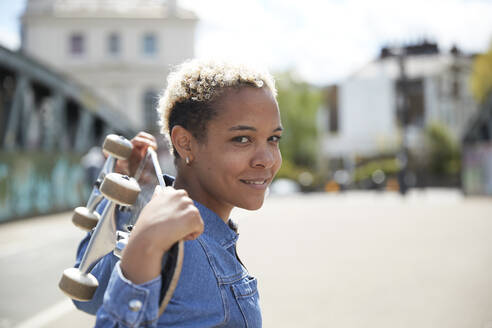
115,147
120,190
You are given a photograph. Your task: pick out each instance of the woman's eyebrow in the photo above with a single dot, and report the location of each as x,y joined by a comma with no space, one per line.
250,128
242,128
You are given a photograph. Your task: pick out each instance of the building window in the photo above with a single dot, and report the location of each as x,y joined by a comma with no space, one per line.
114,44
455,81
77,44
150,111
149,44
411,109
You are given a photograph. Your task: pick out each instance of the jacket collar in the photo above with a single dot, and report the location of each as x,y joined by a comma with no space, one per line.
216,228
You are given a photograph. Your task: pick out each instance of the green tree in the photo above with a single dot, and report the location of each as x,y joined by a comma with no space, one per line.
298,102
481,77
444,152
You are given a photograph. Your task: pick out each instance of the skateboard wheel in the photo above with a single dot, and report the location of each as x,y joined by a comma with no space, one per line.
120,189
77,285
117,146
85,219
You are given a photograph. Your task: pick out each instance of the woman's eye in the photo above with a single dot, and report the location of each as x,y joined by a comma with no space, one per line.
275,138
242,139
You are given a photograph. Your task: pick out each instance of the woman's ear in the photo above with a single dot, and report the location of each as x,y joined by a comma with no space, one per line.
181,139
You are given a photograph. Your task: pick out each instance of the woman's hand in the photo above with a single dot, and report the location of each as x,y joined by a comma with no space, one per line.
140,143
170,216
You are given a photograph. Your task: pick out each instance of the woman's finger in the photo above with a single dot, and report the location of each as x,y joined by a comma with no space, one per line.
140,142
146,135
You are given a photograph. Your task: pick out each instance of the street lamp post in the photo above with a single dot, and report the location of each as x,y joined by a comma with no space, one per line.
402,107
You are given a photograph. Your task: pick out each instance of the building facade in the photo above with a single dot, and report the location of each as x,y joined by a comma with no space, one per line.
430,85
122,50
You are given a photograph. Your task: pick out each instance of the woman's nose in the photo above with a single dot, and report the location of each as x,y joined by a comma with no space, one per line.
264,158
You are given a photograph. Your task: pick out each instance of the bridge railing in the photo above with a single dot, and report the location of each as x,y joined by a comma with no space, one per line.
47,123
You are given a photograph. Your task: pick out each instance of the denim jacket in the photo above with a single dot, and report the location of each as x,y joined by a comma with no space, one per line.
214,289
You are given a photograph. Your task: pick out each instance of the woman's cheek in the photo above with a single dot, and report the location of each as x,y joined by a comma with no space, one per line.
279,161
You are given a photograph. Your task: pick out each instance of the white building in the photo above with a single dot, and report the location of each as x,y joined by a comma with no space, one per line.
122,49
366,104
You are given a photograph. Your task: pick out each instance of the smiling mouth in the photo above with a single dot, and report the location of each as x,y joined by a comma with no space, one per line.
254,182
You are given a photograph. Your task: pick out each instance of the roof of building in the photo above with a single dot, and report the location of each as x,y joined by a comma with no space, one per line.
108,8
419,59
423,47
416,66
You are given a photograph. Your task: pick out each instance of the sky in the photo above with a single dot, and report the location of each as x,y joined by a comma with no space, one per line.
321,41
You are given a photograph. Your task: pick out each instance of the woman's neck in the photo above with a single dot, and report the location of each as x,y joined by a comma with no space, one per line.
196,192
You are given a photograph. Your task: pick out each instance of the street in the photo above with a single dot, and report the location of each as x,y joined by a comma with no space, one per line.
358,259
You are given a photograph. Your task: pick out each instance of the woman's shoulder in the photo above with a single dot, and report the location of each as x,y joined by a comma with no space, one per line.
194,248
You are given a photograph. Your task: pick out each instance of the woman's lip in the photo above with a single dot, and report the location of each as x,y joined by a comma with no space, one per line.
263,180
262,186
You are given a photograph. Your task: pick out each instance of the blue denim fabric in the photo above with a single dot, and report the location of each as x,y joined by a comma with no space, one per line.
214,289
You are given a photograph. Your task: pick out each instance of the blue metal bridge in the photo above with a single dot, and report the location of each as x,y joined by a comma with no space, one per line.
47,123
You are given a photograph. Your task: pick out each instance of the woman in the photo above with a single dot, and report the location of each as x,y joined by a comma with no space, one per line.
223,125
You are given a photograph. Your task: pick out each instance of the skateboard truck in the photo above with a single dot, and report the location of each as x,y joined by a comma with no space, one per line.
79,283
116,147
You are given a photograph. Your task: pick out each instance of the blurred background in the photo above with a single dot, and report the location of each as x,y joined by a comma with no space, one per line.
382,102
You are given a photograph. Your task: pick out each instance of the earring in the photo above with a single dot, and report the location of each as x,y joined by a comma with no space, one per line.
187,160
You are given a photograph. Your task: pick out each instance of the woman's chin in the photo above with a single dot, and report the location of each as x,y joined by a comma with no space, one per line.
252,205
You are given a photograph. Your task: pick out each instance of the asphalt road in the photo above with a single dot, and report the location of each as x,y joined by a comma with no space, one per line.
347,260
33,255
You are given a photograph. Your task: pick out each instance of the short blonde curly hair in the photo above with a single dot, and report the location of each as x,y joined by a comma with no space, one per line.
195,85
